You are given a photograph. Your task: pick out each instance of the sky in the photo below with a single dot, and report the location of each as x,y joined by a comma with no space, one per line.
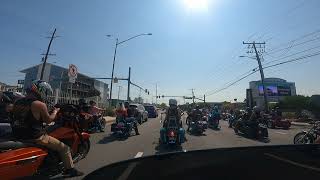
195,43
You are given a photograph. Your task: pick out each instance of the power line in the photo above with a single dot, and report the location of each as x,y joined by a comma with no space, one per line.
297,39
293,54
281,63
294,45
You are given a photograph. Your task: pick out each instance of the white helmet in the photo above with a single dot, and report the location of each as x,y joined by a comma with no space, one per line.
173,102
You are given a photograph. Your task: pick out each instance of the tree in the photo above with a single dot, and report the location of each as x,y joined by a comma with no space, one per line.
163,106
138,100
297,103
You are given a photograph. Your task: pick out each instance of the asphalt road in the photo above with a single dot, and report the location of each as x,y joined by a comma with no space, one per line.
105,149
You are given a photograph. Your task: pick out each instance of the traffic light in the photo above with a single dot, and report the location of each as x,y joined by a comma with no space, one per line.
146,90
162,96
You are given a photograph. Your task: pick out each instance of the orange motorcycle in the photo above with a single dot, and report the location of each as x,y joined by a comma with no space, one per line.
22,159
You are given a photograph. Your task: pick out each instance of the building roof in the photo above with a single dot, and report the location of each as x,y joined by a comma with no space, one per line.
273,80
67,69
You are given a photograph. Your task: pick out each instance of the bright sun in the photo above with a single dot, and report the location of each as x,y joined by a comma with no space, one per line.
198,5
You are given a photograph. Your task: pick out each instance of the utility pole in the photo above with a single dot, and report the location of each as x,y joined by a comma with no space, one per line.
260,68
46,55
156,93
192,95
204,98
129,82
119,92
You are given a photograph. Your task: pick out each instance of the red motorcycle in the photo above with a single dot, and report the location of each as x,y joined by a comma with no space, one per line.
22,159
274,122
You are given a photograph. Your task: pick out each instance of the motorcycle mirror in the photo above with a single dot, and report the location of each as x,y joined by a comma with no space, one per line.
160,121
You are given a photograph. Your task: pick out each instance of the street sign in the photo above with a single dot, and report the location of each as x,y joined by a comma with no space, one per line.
72,73
20,81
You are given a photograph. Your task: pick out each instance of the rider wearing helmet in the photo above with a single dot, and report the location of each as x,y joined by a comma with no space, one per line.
29,113
173,110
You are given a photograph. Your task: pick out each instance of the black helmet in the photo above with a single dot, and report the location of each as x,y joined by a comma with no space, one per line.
126,104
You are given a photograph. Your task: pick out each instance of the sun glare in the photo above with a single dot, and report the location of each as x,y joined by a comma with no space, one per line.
196,5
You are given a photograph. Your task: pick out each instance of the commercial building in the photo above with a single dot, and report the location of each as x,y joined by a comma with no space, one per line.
57,77
277,89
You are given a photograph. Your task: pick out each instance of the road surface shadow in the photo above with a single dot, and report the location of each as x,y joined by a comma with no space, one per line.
196,134
162,148
111,138
264,140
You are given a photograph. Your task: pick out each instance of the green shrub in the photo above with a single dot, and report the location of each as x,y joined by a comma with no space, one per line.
110,112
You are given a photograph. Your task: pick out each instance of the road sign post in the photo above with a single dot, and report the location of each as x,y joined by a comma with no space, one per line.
73,74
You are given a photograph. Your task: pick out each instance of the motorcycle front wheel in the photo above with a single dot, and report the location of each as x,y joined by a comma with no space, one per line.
83,149
303,138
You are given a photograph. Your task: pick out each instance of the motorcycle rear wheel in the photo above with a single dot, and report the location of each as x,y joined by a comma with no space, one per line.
303,138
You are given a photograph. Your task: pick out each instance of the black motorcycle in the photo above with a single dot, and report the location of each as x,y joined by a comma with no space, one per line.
98,124
253,130
308,137
123,127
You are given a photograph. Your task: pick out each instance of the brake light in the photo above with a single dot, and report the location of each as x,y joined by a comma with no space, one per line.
171,134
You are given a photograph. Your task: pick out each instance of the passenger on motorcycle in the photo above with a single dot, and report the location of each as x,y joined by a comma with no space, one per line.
121,113
131,114
28,115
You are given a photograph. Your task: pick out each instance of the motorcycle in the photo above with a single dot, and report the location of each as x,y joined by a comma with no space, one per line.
308,137
231,121
278,122
171,134
123,127
98,124
214,122
29,159
261,133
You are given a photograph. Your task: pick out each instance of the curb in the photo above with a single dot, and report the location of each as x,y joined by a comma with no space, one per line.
300,124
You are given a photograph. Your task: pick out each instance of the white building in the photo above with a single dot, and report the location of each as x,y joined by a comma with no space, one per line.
277,89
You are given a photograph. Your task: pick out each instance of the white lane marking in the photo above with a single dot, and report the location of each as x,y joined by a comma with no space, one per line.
281,133
292,162
139,154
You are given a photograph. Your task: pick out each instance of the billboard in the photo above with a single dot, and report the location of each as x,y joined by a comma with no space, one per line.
274,90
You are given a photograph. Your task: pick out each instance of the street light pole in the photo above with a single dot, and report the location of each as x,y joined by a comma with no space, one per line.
112,73
114,59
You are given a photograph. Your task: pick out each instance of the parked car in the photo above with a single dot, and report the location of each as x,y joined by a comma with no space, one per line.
141,113
152,111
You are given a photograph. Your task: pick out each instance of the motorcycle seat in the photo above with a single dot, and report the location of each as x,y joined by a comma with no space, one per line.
13,144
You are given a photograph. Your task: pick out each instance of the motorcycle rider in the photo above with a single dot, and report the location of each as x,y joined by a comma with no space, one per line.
253,121
173,110
196,115
215,115
131,113
29,113
95,111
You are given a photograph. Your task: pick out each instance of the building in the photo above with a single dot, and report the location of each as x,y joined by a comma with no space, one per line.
276,89
57,77
5,87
